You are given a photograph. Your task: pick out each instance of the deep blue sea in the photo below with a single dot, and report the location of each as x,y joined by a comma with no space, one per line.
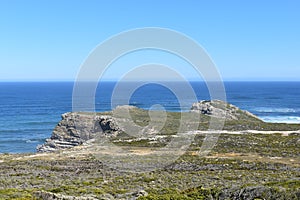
30,111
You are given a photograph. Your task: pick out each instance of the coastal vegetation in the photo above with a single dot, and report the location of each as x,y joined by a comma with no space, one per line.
251,160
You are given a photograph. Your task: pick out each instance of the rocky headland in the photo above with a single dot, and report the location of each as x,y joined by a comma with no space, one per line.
82,128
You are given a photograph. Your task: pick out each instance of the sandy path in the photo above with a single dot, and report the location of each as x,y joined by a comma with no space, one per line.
283,133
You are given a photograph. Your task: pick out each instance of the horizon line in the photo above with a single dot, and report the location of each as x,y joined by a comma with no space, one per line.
73,81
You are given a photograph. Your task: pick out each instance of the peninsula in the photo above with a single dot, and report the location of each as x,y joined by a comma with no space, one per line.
93,156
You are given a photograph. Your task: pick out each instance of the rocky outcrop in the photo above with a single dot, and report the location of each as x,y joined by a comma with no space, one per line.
54,196
77,128
221,109
107,196
254,192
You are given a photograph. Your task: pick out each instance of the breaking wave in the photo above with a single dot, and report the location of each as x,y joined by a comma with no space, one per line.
276,110
281,119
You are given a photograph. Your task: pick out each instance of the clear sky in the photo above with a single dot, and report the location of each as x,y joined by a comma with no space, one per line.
248,40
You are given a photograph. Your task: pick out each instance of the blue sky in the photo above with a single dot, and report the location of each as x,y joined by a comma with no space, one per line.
248,40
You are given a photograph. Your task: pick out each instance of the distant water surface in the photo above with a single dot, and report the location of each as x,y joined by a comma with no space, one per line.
30,111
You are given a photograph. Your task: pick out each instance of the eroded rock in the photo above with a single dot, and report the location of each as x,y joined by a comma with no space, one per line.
221,109
77,128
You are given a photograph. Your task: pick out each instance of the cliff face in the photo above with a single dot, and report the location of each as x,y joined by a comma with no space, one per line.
76,128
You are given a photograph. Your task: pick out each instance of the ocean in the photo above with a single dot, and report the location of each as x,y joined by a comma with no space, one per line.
31,110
